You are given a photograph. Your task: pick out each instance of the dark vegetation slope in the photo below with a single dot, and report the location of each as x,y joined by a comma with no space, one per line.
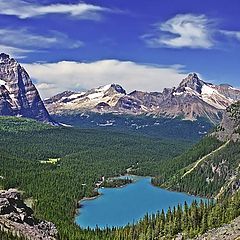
212,167
155,126
58,166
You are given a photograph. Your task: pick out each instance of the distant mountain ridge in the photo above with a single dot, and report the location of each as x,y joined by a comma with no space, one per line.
18,95
193,98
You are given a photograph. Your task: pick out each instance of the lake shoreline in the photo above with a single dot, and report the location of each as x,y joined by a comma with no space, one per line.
124,185
79,203
141,194
90,198
99,187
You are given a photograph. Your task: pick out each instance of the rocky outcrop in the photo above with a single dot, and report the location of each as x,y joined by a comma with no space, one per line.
226,232
193,98
229,129
17,217
18,95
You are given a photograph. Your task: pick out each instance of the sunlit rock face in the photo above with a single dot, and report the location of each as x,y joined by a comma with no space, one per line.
18,95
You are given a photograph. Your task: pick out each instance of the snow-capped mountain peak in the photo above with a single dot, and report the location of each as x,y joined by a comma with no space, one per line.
209,93
193,98
192,81
103,96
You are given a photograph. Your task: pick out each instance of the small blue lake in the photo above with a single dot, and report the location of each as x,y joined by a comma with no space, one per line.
120,206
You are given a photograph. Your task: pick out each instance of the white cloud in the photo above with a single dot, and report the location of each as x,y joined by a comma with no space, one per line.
22,37
23,9
53,78
21,41
183,30
231,34
13,51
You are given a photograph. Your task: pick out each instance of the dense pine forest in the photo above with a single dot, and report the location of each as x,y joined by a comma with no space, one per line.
212,167
84,156
207,181
56,166
173,128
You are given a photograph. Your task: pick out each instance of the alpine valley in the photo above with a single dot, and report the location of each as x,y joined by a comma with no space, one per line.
55,152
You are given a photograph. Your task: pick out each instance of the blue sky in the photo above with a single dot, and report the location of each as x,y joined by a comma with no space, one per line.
141,44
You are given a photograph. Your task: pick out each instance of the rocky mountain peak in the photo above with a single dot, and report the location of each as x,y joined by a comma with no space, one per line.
192,99
226,85
18,95
6,59
192,81
118,88
4,56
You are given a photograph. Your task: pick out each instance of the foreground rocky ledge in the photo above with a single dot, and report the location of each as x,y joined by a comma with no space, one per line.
226,232
17,217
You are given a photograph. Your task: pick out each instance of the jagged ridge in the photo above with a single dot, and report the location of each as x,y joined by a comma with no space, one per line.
193,98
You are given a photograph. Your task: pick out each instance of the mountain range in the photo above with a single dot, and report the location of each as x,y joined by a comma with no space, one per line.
193,98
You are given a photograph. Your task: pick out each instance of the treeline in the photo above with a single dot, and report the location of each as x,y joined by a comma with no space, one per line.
215,172
178,165
158,127
117,182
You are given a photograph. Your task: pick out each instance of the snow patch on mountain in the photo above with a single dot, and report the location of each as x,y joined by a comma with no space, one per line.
191,91
95,96
2,82
178,93
76,95
206,90
103,88
214,98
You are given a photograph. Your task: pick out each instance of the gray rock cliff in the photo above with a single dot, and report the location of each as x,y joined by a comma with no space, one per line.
18,95
17,217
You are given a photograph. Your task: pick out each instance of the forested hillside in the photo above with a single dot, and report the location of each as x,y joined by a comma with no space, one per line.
149,125
212,167
183,221
57,166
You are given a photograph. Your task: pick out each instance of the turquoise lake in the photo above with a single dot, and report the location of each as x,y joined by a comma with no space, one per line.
120,206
